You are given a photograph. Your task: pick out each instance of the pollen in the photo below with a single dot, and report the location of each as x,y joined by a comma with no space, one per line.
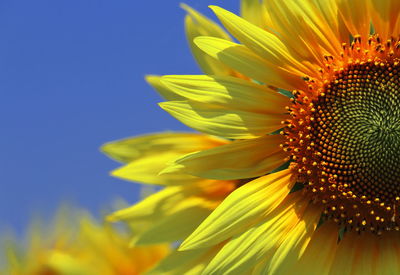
351,118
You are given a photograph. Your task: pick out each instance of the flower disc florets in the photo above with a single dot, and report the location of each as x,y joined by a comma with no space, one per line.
344,136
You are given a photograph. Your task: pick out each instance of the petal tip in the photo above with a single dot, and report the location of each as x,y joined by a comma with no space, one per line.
112,218
172,168
186,245
151,78
185,7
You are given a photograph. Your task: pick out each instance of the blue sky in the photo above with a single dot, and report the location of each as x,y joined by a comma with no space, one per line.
71,78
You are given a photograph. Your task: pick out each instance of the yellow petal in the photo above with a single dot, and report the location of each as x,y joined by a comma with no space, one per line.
348,254
253,11
296,241
147,170
220,121
185,262
257,244
155,82
323,246
149,154
265,44
177,225
356,16
389,254
329,10
248,63
307,27
167,201
367,253
64,264
155,206
227,91
197,24
244,206
130,149
385,17
237,160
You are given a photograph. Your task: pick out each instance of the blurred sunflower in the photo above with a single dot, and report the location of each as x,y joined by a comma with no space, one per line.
324,74
76,245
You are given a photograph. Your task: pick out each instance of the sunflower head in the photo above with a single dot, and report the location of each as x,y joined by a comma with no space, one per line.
344,134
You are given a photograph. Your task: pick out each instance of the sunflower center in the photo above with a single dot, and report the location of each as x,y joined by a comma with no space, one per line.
357,130
344,141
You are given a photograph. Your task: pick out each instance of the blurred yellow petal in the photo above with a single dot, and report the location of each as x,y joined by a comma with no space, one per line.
185,262
227,91
83,247
220,121
197,24
252,201
238,160
65,264
178,224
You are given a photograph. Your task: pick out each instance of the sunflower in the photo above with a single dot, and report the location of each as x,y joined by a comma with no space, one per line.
77,245
313,84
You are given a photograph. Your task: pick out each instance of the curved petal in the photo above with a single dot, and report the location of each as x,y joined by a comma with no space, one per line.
167,201
155,82
223,122
309,28
133,148
154,206
265,44
238,160
245,206
149,154
253,11
248,63
197,24
234,93
257,244
185,262
295,242
178,224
